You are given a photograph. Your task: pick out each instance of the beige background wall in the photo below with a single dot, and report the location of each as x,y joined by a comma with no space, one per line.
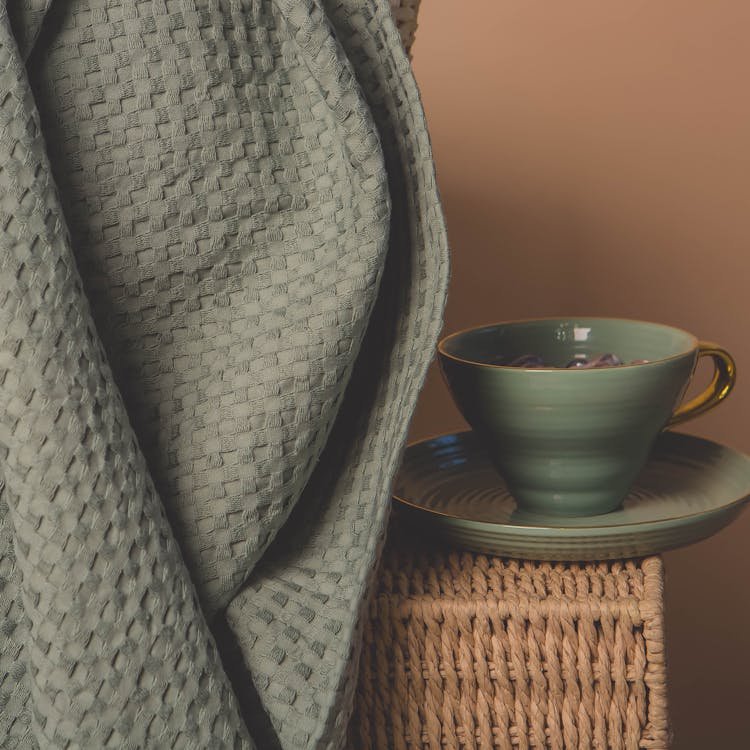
594,158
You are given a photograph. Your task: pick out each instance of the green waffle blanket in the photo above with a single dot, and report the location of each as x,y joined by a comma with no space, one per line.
223,266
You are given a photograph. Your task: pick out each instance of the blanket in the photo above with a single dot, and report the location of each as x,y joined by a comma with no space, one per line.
223,267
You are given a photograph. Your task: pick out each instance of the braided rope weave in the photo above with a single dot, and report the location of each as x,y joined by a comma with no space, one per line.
405,13
467,651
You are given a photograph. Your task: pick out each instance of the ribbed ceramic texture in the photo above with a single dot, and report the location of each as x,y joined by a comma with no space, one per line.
466,651
690,489
222,271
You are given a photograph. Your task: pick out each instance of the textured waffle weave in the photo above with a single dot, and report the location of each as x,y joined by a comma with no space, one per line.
468,651
222,271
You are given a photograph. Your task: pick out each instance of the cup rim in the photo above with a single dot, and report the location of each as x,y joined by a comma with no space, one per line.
562,318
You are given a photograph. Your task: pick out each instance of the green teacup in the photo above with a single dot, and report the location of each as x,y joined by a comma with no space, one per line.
571,442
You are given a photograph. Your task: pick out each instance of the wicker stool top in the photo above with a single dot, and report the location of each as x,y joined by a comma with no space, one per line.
427,570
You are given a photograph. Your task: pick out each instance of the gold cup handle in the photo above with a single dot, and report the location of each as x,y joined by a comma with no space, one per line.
725,375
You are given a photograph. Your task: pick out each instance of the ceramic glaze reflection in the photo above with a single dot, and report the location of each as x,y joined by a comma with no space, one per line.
571,441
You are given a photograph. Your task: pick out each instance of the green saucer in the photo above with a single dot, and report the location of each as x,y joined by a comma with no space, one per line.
690,489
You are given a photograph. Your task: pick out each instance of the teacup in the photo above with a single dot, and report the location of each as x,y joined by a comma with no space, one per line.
571,442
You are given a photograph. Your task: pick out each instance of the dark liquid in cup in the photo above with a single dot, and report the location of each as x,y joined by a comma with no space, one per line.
577,363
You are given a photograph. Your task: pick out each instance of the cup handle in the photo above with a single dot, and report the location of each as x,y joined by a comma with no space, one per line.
725,375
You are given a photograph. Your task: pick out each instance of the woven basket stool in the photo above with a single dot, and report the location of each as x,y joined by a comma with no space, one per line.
467,651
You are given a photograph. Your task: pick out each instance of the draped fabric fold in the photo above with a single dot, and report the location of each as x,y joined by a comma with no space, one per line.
223,266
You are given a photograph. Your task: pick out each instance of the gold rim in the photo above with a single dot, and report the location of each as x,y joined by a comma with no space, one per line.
429,511
447,355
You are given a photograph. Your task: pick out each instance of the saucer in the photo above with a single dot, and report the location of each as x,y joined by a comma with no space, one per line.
690,489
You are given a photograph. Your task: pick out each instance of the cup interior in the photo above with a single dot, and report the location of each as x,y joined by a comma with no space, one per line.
559,340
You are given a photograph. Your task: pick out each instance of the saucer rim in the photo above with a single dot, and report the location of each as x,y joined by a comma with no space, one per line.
562,530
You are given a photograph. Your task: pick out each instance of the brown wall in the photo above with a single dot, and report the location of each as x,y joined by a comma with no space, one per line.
594,158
